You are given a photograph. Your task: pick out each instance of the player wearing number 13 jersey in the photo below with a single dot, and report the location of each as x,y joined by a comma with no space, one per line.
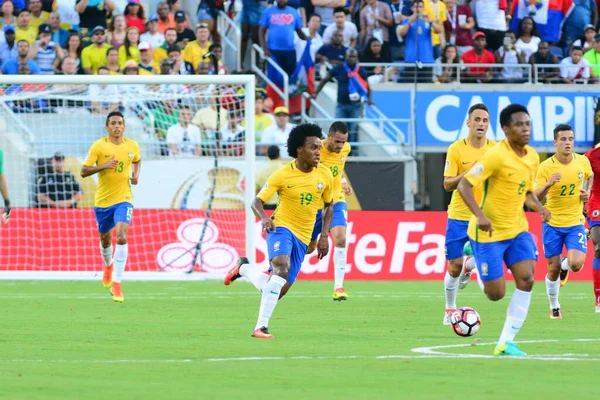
563,180
117,162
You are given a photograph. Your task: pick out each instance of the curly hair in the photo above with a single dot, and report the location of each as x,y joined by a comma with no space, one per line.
298,137
507,113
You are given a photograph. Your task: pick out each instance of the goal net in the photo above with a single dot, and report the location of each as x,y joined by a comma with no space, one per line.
196,135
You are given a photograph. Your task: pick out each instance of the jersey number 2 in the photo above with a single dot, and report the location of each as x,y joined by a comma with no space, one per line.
582,240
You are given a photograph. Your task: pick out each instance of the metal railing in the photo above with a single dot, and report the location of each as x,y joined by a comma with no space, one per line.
284,94
226,26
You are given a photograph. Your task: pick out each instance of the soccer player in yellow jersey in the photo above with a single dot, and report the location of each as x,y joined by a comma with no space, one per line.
334,153
563,180
303,186
498,230
462,155
117,162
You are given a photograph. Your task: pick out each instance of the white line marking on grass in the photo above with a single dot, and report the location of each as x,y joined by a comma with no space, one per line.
97,361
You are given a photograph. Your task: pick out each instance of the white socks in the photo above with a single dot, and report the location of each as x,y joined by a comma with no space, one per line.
552,288
107,254
470,265
120,261
258,279
564,265
339,266
451,286
515,316
270,296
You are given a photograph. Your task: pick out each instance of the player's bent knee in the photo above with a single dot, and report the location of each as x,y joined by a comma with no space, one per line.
495,295
122,239
525,284
576,266
455,267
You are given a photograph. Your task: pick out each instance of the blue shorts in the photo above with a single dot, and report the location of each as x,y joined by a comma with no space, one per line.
340,218
107,218
251,14
489,256
283,241
456,237
592,222
572,237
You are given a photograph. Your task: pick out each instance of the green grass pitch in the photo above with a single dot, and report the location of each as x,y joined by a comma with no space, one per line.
191,340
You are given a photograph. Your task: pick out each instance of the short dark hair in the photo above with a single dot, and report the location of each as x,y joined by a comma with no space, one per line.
314,15
338,126
507,113
114,114
112,49
170,29
23,10
273,152
298,137
478,106
173,49
103,67
184,107
561,128
577,48
339,9
214,46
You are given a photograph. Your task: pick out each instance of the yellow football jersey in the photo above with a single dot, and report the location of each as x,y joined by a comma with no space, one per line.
301,195
336,163
113,184
564,197
462,156
506,179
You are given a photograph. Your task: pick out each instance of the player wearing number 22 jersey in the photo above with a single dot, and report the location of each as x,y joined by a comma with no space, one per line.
117,162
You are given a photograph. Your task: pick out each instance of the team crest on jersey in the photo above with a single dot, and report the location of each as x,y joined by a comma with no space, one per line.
484,269
319,186
595,213
130,155
342,159
276,246
477,169
580,176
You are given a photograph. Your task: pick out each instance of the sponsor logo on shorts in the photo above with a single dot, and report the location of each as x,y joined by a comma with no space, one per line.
484,269
445,250
276,246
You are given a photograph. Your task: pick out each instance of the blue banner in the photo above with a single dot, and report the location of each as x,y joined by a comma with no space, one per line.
442,116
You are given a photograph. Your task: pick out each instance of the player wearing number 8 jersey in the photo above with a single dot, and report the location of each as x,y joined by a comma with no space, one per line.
563,180
304,186
334,153
117,162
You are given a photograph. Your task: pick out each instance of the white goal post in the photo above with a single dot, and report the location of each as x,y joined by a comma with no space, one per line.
48,122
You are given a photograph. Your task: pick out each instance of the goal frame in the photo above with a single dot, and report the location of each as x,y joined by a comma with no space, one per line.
248,81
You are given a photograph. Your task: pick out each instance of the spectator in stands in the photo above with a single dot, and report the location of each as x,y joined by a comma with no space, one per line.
8,14
174,6
184,138
112,61
528,37
117,31
73,48
184,34
8,48
510,54
101,95
437,11
333,53
153,36
92,13
446,67
587,41
179,65
458,25
170,41
147,65
11,66
342,24
165,20
207,13
416,31
262,119
197,49
375,21
479,55
251,13
203,68
217,50
326,9
25,31
593,57
233,135
68,66
94,55
400,11
206,118
263,174
166,67
38,16
280,22
575,69
134,14
129,50
47,5
352,87
45,53
543,56
373,53
59,35
491,21
164,116
69,17
58,189
278,133
585,12
312,32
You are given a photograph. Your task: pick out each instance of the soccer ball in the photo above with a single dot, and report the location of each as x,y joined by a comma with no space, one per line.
465,321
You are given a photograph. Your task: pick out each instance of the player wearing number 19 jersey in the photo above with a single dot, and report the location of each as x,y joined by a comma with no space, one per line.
334,152
117,162
563,180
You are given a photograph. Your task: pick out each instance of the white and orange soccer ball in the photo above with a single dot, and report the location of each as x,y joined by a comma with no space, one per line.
465,321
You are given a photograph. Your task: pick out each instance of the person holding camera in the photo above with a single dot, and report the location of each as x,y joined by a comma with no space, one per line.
509,54
46,53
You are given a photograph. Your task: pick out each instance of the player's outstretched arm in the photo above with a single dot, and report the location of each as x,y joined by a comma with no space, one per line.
466,192
531,201
259,211
94,169
135,172
323,244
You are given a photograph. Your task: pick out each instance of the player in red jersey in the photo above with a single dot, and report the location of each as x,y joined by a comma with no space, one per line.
593,218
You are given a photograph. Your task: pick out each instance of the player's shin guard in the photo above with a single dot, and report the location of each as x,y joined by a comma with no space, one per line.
451,286
107,254
596,277
552,289
339,265
258,279
515,316
120,261
270,296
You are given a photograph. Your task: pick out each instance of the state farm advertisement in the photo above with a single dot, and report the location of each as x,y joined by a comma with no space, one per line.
382,245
